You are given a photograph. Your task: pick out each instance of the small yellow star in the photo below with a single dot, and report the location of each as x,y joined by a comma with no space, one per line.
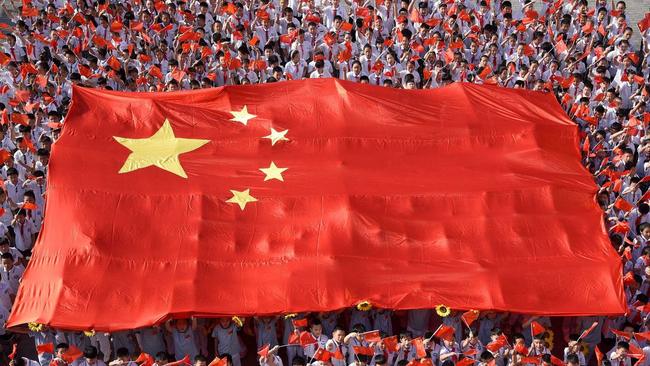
276,136
242,116
273,172
241,198
161,149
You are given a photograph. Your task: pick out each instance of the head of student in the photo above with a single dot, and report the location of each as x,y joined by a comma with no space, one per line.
162,358
123,355
21,215
90,354
338,334
7,261
12,173
486,356
200,360
622,348
60,349
572,360
4,245
380,360
316,327
538,342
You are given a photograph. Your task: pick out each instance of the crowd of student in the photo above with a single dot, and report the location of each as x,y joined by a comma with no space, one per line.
580,50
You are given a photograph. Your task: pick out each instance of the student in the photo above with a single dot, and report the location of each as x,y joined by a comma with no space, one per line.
200,360
449,350
33,210
122,357
271,359
162,358
25,232
5,248
226,339
382,321
405,352
11,273
337,347
538,346
355,339
89,358
182,332
619,356
150,340
36,183
6,215
266,331
14,186
316,329
574,349
485,358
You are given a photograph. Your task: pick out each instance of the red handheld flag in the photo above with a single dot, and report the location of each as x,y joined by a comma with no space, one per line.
360,350
322,355
588,330
536,328
624,335
264,351
45,348
645,336
306,338
372,336
556,361
144,359
531,360
420,351
294,338
72,354
470,317
599,356
300,323
391,343
623,205
444,332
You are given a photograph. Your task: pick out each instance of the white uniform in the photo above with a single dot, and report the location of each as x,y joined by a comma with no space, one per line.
227,342
12,277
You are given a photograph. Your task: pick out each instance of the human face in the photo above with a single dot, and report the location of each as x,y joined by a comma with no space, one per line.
7,264
645,232
317,330
338,335
537,343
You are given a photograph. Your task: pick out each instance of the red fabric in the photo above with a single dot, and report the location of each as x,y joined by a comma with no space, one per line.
470,317
408,195
536,328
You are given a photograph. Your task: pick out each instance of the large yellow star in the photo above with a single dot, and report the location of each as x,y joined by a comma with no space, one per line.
273,172
161,150
276,136
242,116
241,198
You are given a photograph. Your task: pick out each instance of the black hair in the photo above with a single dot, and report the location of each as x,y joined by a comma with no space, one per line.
89,351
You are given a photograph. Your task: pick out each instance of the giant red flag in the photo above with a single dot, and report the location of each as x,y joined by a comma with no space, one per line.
168,203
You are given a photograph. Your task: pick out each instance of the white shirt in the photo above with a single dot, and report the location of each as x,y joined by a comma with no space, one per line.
12,277
15,191
24,234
